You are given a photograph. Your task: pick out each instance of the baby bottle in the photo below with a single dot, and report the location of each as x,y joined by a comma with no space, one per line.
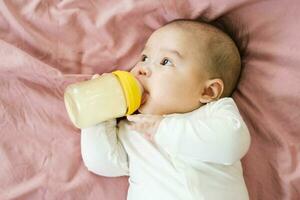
105,97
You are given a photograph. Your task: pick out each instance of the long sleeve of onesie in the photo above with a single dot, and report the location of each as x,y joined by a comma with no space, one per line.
215,133
102,151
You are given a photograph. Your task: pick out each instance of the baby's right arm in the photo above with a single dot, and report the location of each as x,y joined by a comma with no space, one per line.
101,150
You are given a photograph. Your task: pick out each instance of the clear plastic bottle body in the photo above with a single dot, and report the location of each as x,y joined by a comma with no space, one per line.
96,100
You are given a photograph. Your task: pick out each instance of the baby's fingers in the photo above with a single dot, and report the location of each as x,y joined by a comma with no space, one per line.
134,118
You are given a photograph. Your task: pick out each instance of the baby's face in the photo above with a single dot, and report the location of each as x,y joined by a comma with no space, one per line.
171,71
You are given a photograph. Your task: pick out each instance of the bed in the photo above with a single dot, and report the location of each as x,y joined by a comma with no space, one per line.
47,44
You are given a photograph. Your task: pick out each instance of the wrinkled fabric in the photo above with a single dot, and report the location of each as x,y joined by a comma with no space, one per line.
47,44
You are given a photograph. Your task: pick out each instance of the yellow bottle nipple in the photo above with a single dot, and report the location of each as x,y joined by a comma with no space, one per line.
133,93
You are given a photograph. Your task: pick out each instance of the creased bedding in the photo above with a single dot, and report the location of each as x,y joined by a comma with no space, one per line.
47,44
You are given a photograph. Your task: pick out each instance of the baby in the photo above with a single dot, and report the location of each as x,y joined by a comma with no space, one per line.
189,137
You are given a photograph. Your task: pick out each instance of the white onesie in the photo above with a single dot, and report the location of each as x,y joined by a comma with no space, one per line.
194,156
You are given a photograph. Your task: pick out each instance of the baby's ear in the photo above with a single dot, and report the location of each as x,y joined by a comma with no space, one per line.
212,90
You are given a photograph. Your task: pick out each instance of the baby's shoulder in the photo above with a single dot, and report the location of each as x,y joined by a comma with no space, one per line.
223,106
222,101
226,103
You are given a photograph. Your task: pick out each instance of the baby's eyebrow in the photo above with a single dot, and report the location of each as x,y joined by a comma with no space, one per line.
173,52
176,53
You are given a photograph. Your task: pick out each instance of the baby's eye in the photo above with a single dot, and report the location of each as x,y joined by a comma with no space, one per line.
166,61
144,58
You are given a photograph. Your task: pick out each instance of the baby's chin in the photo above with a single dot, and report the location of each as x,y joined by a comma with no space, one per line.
142,110
145,109
148,108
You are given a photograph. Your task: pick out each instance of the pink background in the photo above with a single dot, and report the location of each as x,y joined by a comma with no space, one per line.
46,44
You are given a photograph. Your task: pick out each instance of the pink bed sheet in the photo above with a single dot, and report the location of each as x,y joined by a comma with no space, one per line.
48,44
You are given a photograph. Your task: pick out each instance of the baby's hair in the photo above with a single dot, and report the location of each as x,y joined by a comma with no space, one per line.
220,58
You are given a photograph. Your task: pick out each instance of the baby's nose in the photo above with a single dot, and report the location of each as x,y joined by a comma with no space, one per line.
144,71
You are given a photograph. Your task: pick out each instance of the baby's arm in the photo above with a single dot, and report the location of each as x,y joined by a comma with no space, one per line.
102,152
217,136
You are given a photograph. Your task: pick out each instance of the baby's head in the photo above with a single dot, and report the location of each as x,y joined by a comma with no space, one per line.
186,64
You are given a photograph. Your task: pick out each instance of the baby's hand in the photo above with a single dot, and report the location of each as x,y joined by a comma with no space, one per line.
145,123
